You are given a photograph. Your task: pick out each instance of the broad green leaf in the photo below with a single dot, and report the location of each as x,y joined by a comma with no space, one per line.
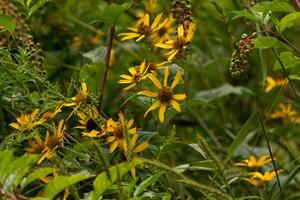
112,12
59,183
274,6
288,59
224,90
265,42
7,22
6,157
146,183
103,182
288,21
245,14
240,137
36,174
17,169
97,55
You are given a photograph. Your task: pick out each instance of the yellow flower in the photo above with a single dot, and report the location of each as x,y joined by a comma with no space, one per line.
179,43
252,162
153,67
144,29
164,33
150,6
137,74
286,113
80,97
47,116
88,122
47,147
165,96
258,179
25,122
77,41
272,83
120,131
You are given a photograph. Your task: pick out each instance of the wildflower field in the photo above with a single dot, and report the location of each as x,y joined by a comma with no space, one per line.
149,99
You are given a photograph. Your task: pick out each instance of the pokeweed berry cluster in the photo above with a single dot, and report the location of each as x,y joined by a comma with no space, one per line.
182,11
240,55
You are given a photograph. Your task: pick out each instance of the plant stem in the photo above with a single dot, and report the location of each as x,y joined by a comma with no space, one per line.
271,154
297,4
107,59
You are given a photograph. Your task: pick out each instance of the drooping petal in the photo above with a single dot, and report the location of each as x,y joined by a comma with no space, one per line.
180,30
152,107
162,111
129,87
110,139
175,105
164,45
172,54
156,21
141,147
179,97
155,81
166,75
131,36
141,37
148,93
177,79
113,146
130,123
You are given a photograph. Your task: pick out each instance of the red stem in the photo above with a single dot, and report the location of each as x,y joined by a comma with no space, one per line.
297,4
107,59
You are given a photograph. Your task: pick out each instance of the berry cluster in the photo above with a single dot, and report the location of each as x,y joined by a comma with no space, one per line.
182,11
239,56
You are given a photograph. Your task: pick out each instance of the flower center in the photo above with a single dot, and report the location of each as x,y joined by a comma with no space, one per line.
144,29
161,32
165,94
91,125
80,97
179,42
47,116
119,132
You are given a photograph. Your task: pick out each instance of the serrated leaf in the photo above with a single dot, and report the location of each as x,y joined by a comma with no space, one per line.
265,42
224,90
288,21
38,173
288,59
7,22
102,182
240,137
97,55
146,183
112,12
59,183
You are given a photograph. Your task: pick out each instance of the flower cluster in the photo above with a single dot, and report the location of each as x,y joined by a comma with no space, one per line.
287,113
159,31
255,177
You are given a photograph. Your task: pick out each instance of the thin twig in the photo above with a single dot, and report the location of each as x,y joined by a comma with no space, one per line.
297,4
107,59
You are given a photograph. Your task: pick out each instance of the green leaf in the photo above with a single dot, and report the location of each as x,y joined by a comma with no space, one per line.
288,21
59,183
245,14
112,12
240,137
7,22
224,90
288,59
97,55
36,6
38,173
102,182
197,148
146,183
205,165
275,6
265,42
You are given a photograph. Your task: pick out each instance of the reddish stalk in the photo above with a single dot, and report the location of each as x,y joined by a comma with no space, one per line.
107,59
297,4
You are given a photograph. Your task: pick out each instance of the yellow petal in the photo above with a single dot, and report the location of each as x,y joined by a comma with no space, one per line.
14,125
122,119
113,146
84,88
166,75
110,139
179,97
141,37
141,147
146,20
190,32
175,105
164,46
122,81
148,93
132,71
155,81
177,79
126,77
180,30
152,107
162,111
156,21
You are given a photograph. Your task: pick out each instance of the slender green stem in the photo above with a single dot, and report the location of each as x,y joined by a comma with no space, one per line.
270,152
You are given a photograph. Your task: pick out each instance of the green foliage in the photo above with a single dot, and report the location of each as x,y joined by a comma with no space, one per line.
288,59
265,42
8,22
